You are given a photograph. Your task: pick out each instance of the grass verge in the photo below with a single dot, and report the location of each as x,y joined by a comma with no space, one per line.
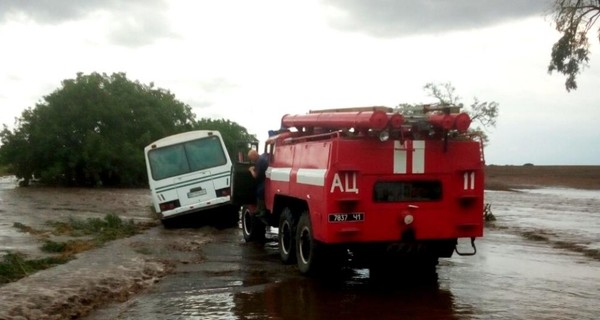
14,266
102,230
88,234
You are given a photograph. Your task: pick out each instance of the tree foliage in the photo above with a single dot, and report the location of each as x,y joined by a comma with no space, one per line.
570,54
483,114
92,131
231,132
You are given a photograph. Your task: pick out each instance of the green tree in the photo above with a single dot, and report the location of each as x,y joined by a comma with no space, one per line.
232,133
570,54
483,114
92,131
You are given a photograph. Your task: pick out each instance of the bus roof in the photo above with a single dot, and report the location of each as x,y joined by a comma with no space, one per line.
180,137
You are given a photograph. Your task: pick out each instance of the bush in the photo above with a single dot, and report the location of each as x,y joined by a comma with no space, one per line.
14,266
528,165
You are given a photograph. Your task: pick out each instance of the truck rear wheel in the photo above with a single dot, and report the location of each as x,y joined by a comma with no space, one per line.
308,250
287,236
252,228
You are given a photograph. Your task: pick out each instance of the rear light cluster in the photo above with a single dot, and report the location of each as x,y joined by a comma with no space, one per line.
165,206
224,192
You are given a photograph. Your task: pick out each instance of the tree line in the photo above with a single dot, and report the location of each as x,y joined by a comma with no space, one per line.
92,130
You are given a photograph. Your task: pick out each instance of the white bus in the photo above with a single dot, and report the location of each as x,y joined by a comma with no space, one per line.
190,173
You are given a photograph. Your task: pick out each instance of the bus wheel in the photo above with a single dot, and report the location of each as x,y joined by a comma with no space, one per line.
308,250
287,236
169,223
252,228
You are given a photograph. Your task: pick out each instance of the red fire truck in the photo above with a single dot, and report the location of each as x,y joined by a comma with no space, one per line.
373,187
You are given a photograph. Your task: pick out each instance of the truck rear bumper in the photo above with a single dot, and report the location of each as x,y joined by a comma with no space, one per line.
365,254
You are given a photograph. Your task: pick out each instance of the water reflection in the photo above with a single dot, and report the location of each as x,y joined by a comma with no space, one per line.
353,296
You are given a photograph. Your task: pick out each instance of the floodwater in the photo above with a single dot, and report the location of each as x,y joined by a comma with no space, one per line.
10,238
35,206
539,260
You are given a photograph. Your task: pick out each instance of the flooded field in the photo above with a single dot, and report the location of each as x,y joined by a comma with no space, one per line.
539,260
35,206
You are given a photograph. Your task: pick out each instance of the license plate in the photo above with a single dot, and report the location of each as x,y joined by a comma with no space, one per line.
196,193
346,217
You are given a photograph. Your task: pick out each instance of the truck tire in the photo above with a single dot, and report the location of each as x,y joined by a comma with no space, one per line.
287,236
252,228
308,250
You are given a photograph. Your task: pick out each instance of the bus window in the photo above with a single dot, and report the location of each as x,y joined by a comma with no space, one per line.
205,153
182,158
242,151
168,161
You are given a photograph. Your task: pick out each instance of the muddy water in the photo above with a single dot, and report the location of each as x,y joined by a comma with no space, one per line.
10,237
566,217
537,261
35,206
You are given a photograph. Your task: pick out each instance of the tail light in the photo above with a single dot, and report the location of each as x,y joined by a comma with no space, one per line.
166,206
225,192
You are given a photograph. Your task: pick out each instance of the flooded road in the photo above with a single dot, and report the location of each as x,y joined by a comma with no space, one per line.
539,260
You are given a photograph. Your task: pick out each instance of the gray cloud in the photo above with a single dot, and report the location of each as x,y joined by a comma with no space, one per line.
207,90
139,24
48,11
133,22
217,85
395,18
201,103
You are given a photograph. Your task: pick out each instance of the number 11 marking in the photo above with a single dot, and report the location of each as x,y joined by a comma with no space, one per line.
469,181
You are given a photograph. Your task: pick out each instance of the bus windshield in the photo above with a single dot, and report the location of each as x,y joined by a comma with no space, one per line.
186,157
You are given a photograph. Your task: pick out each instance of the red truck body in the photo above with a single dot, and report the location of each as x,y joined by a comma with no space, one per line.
374,184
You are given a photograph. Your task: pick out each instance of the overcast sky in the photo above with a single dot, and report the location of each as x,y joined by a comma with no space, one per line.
254,61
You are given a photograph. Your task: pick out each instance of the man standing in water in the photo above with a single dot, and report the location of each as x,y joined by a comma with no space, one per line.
258,171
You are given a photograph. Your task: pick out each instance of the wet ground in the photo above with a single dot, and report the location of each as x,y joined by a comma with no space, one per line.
539,260
35,206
